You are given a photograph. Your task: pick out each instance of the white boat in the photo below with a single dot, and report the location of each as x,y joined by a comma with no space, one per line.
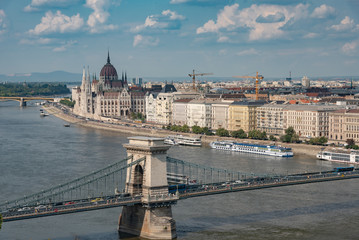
170,141
42,114
339,155
183,140
270,150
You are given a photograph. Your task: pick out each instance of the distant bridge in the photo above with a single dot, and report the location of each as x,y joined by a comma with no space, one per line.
127,183
23,100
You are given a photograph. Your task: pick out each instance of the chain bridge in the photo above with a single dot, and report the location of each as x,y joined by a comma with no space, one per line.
146,184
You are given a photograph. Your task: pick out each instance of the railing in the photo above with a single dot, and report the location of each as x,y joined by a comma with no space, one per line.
75,189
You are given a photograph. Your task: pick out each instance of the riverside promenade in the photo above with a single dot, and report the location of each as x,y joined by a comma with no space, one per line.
137,129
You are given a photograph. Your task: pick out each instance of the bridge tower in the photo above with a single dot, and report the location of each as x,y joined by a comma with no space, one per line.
149,178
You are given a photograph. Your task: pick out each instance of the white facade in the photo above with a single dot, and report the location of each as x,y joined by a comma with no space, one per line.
164,108
220,114
151,107
199,113
180,112
305,82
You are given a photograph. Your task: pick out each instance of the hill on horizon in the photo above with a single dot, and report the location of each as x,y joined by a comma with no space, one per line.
55,76
67,77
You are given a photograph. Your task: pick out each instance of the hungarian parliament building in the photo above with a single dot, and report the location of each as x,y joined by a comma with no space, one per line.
107,96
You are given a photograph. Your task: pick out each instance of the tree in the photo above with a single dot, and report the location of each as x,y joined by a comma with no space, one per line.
222,132
197,129
239,134
263,136
176,128
256,134
318,141
272,138
67,102
350,141
207,131
351,144
290,136
185,128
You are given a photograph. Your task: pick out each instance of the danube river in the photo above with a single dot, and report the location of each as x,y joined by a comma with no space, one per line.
36,153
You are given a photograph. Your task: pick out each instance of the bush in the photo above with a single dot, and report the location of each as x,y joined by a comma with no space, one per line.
68,102
273,138
239,134
222,132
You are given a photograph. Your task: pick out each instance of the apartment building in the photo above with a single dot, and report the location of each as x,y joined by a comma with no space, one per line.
270,118
220,114
343,125
242,115
180,111
309,120
199,113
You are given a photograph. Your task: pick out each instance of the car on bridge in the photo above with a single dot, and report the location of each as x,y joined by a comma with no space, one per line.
24,209
40,207
96,200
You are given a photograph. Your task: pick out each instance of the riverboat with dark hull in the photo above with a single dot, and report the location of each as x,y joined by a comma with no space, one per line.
270,150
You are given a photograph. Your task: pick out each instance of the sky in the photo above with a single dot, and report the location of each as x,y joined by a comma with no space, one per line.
170,38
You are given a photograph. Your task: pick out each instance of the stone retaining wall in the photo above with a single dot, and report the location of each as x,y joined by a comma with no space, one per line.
310,150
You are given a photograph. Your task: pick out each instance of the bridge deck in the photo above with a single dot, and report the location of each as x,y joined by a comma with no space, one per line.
260,185
199,191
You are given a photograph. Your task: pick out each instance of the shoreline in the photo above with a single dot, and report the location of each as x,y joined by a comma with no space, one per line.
309,150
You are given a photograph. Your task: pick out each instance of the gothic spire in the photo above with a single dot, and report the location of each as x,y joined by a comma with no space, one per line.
108,56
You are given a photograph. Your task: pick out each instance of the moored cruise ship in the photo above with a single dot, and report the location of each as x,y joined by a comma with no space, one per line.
272,150
339,155
183,140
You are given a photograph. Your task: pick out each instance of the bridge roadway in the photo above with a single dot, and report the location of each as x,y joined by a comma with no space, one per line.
269,183
189,192
27,98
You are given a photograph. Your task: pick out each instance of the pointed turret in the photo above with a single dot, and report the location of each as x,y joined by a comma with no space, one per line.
83,78
108,56
88,73
125,78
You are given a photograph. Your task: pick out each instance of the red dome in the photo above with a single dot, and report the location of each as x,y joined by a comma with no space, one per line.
109,71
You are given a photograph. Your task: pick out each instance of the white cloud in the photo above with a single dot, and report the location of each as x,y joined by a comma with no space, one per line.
248,52
57,23
64,47
173,15
98,18
35,4
178,1
42,41
347,24
223,39
2,21
311,35
350,48
30,8
263,21
167,20
323,11
140,40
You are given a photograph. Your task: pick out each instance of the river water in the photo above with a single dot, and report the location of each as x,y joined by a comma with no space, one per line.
36,153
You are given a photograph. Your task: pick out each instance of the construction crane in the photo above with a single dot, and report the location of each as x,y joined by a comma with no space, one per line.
256,77
193,75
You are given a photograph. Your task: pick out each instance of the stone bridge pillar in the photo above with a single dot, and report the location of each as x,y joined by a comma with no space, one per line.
148,178
22,102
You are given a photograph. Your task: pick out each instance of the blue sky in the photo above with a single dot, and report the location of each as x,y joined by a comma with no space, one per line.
169,38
